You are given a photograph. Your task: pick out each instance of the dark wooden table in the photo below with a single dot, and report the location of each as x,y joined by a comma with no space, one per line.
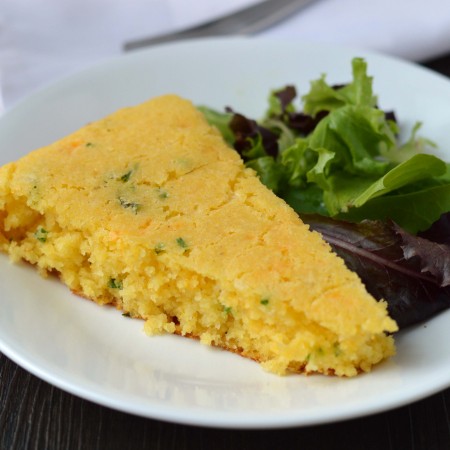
36,415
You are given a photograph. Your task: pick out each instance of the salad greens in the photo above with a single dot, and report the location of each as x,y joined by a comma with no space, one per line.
383,205
339,156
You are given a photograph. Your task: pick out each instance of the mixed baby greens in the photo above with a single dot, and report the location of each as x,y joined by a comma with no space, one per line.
340,155
381,204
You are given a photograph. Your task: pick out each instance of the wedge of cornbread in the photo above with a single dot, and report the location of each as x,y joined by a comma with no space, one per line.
149,210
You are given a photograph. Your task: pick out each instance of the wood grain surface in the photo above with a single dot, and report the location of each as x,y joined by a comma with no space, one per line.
36,415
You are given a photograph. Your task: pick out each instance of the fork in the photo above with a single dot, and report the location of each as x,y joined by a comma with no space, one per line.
247,21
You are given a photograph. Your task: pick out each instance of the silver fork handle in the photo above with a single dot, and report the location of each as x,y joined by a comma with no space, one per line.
250,20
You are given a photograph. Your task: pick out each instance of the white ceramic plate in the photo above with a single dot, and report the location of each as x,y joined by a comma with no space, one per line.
97,354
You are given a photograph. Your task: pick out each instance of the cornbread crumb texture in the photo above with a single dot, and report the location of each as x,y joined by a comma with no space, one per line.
149,210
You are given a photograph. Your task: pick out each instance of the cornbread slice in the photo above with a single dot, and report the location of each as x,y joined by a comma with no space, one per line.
149,210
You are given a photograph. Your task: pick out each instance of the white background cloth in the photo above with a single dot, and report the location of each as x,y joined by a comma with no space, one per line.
43,40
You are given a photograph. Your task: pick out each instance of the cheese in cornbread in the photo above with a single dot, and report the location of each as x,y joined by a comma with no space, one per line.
149,210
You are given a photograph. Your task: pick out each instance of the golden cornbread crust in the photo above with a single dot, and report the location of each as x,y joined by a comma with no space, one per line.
148,209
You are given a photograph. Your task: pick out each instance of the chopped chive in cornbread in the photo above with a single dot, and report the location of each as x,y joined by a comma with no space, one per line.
127,204
159,248
126,176
162,194
182,243
221,258
41,234
113,283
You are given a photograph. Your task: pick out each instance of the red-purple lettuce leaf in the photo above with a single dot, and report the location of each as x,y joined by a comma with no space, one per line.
433,257
439,231
252,140
375,251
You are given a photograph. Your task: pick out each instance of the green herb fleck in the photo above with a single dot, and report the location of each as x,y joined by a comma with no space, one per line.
162,194
264,301
89,144
114,283
308,357
126,314
182,243
337,349
159,248
227,309
135,207
126,176
41,234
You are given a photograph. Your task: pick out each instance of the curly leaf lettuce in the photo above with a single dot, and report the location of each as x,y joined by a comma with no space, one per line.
340,155
323,97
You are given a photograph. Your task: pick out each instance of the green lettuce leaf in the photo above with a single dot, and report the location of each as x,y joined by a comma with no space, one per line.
305,201
269,171
220,120
353,192
415,211
323,97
